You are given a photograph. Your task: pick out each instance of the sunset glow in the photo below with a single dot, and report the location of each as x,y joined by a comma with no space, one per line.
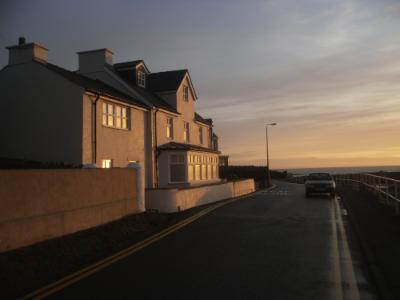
328,72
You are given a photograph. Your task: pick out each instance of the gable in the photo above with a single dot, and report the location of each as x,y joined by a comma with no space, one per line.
188,82
166,81
142,67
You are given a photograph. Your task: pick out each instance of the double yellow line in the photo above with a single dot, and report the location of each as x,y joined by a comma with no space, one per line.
342,260
77,276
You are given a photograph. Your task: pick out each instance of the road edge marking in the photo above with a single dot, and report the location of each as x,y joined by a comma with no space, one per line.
336,256
105,262
348,260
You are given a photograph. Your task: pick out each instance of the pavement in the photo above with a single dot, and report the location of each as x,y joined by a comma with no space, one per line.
377,229
274,244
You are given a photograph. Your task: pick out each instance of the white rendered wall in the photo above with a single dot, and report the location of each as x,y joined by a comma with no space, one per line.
174,200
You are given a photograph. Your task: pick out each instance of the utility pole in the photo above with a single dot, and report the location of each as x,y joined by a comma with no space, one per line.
266,144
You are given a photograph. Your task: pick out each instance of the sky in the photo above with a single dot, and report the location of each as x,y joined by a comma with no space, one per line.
327,71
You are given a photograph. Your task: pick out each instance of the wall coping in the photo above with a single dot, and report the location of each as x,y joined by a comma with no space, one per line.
199,186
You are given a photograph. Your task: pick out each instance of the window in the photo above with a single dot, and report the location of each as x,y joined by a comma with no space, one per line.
197,172
186,131
118,116
124,118
201,134
106,163
186,93
115,115
202,167
177,169
110,115
170,128
141,79
191,172
104,113
203,172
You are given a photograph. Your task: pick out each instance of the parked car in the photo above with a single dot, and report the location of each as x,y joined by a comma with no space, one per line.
320,183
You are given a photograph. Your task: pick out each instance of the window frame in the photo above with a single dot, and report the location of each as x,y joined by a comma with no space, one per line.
186,132
185,93
109,112
141,79
170,128
106,163
201,137
203,166
183,162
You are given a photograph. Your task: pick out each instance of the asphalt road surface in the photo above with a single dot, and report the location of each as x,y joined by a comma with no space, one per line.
270,245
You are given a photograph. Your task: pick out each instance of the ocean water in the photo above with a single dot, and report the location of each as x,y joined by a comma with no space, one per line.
343,170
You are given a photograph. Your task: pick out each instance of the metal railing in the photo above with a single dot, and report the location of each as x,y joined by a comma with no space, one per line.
387,189
297,179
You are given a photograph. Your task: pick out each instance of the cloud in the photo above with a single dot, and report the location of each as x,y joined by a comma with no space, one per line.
327,71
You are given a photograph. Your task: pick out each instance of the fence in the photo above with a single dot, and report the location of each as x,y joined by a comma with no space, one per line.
297,179
387,189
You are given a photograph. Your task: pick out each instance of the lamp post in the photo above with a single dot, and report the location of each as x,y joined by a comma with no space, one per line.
266,142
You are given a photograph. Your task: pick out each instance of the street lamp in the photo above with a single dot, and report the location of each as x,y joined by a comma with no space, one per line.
266,142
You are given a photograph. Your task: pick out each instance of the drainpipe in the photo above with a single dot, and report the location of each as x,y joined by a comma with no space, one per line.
94,128
155,145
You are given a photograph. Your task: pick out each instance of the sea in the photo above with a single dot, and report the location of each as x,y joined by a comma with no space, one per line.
343,170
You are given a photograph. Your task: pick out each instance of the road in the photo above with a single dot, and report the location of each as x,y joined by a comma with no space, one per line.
270,245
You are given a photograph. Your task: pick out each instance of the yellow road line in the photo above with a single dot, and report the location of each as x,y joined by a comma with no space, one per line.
85,272
336,257
348,262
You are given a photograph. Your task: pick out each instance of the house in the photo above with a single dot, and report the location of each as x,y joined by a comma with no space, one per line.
179,147
55,115
106,114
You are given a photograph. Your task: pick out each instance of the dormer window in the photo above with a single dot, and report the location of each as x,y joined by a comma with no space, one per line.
186,93
141,79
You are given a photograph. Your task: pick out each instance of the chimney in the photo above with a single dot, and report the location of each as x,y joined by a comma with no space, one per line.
23,52
94,60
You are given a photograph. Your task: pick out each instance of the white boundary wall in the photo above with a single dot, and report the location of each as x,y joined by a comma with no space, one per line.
174,200
36,205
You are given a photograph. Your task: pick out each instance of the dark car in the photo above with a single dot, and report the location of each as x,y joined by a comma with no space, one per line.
320,183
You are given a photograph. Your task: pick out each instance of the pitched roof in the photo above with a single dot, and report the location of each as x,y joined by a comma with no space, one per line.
166,81
155,99
186,147
200,119
129,76
91,84
132,63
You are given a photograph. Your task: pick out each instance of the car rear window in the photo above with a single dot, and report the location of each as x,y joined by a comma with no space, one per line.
319,176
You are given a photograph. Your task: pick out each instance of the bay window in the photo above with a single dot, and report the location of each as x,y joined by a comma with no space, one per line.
177,168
